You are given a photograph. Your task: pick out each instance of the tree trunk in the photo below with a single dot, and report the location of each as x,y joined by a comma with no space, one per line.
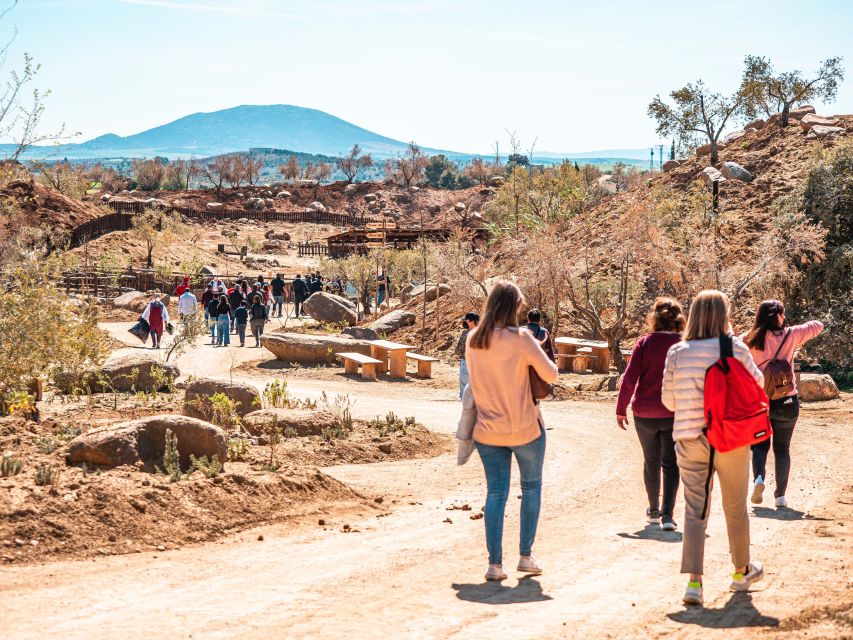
786,110
614,345
715,158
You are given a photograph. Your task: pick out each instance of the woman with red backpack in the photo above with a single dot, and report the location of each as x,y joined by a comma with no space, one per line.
683,392
772,346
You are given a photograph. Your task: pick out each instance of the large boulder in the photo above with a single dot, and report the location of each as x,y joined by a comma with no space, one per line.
327,307
360,333
406,292
215,206
814,387
317,206
392,321
703,149
136,372
758,123
731,137
272,234
144,440
198,392
496,181
809,120
734,171
669,165
711,175
431,292
130,300
311,349
801,112
821,131
304,422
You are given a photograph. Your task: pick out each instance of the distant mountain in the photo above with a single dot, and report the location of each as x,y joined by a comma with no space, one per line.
237,129
277,126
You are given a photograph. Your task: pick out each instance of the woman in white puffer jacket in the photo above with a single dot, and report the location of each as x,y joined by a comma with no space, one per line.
683,393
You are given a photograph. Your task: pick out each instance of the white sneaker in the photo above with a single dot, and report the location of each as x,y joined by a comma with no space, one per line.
758,491
781,502
495,572
653,516
528,564
693,593
743,581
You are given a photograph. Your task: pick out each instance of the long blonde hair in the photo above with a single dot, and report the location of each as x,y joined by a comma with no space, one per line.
709,315
502,308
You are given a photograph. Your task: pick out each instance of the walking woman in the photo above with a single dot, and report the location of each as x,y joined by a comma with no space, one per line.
258,312
223,322
770,341
683,393
500,356
157,316
653,421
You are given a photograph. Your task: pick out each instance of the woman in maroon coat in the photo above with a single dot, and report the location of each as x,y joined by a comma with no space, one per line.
157,316
642,381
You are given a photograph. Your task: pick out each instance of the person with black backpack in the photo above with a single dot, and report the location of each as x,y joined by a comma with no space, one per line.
542,335
772,346
300,293
258,313
688,368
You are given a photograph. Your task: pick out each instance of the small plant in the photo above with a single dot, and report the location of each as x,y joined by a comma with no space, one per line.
392,424
47,444
47,475
290,432
20,403
209,467
340,408
10,465
223,411
171,458
68,432
237,449
276,395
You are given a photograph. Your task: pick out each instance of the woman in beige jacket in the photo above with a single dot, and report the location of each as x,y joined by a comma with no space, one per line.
683,393
500,356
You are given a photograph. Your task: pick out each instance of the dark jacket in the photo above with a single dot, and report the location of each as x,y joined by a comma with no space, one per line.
213,308
541,333
241,315
277,286
460,344
259,312
235,297
300,289
206,297
224,308
643,379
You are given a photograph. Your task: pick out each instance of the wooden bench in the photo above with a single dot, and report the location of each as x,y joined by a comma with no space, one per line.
580,360
424,364
352,361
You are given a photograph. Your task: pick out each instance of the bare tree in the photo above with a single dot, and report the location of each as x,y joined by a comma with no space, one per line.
352,163
768,91
411,166
154,228
218,172
290,170
697,112
250,168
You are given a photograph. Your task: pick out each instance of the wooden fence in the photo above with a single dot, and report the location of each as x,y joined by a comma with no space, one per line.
122,218
313,249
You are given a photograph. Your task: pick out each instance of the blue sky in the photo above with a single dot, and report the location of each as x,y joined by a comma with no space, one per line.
455,75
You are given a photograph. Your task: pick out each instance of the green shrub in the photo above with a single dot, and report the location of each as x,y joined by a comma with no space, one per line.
46,475
237,449
10,465
209,467
171,458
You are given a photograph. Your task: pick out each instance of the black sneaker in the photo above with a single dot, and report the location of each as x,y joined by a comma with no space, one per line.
667,523
653,515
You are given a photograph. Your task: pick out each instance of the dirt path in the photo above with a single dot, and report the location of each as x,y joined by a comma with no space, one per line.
411,574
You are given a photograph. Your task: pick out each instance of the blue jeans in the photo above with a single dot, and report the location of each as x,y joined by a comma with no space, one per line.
497,462
279,303
212,322
223,324
380,297
464,378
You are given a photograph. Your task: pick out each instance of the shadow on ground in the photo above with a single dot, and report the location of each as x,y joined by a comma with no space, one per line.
527,590
737,612
653,532
784,513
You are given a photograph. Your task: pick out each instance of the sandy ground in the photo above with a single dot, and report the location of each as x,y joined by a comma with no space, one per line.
411,574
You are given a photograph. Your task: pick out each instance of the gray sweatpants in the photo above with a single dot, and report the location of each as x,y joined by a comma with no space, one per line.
732,469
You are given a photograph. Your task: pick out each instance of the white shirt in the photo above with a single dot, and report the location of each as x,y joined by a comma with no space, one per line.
187,303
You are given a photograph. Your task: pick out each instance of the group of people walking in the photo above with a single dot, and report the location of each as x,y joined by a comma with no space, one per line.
232,310
664,384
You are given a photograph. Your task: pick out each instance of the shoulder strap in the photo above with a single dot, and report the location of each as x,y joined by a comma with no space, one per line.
781,344
726,350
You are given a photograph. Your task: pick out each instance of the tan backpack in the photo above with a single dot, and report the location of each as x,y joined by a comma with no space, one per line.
778,374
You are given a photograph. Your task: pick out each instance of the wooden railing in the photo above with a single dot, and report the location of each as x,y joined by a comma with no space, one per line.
122,218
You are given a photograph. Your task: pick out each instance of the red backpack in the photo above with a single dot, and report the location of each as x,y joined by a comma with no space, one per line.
736,407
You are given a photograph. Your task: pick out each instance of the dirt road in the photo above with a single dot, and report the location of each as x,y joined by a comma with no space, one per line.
411,574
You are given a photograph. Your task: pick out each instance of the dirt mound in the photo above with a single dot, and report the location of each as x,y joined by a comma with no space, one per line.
37,206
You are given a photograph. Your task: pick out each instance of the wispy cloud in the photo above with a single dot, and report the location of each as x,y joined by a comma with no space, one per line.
244,8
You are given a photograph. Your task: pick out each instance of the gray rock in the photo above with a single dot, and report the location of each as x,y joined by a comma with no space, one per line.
245,397
402,198
710,175
431,292
207,270
361,333
284,194
215,205
734,171
731,137
800,112
311,349
137,372
127,443
406,293
303,421
814,387
496,181
130,300
317,206
392,321
327,307
758,124
821,131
